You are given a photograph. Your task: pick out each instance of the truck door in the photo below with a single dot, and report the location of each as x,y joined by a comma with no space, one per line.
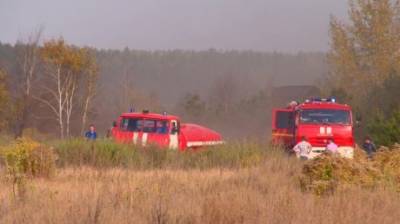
157,133
124,134
283,127
174,135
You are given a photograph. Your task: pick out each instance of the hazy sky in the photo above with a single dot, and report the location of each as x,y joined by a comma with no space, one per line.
262,25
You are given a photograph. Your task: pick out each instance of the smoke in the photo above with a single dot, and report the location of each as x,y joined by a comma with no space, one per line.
261,25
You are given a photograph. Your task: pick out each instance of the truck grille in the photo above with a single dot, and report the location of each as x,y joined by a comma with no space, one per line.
323,141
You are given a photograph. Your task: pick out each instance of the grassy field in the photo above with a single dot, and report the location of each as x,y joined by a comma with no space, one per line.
239,183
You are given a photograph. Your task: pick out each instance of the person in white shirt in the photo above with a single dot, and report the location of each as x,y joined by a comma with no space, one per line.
303,149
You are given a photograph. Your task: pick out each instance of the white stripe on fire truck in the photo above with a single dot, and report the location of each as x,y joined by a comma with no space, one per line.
207,143
144,139
135,137
322,130
329,130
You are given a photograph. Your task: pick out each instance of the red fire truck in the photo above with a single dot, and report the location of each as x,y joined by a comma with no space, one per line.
162,130
318,120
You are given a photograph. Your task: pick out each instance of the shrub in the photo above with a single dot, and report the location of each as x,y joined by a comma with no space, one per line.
25,158
28,157
327,173
324,174
385,130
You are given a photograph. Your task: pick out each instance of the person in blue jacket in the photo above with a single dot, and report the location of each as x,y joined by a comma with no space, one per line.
369,147
91,134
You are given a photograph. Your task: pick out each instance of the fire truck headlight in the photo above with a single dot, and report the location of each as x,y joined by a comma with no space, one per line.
346,152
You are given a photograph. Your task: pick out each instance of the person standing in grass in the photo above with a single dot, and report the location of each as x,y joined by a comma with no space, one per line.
303,149
91,134
369,147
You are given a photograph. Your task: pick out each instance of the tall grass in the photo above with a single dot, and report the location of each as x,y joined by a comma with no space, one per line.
268,193
243,182
106,153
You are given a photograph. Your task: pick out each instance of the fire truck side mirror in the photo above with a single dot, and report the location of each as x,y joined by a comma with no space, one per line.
114,124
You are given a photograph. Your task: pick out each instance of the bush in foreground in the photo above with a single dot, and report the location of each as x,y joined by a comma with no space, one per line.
25,158
28,157
327,173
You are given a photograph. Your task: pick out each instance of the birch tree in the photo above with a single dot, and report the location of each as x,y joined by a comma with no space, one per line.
90,84
64,66
28,60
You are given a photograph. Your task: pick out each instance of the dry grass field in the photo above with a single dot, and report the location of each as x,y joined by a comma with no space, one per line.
268,192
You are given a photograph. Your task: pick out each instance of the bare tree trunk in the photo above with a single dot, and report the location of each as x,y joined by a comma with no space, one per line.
91,91
58,95
61,124
28,61
60,103
84,114
70,96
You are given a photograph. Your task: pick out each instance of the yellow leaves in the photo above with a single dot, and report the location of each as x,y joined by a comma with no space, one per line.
4,101
365,51
53,51
58,53
326,173
4,94
28,157
342,55
68,68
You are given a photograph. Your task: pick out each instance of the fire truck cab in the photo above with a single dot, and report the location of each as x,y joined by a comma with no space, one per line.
318,120
162,130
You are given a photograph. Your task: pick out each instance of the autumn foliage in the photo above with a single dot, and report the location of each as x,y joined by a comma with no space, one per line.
364,64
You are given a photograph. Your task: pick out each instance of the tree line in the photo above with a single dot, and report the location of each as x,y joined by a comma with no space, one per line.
364,65
55,83
227,90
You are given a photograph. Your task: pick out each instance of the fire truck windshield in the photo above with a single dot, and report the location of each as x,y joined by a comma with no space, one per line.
145,125
325,116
